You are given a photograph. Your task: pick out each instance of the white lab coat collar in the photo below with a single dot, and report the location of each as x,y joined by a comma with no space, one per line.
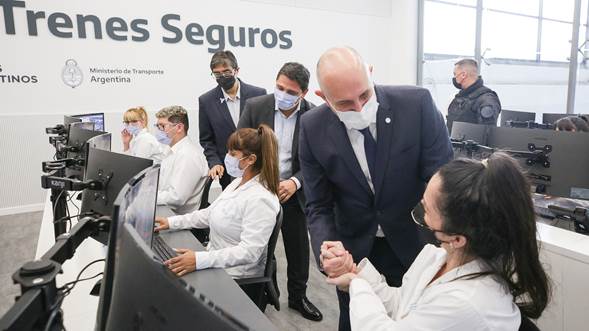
471,268
438,259
232,190
179,144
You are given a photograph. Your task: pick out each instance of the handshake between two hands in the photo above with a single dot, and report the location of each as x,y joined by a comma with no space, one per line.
338,264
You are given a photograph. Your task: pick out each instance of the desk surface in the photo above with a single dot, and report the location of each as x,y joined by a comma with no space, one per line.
80,308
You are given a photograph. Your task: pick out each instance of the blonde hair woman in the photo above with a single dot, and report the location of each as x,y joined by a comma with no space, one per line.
137,140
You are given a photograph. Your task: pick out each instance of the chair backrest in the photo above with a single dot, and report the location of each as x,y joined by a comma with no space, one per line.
272,242
527,325
515,115
204,198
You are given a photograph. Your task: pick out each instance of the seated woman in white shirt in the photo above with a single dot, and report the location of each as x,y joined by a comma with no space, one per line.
137,140
242,218
487,270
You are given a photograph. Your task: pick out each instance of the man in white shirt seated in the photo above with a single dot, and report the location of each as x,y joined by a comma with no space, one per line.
184,170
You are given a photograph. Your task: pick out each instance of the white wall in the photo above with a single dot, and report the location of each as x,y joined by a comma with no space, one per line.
383,31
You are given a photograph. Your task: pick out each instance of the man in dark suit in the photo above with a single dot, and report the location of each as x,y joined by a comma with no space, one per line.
219,110
281,111
366,156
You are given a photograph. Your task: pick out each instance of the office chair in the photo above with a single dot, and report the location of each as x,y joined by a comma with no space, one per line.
527,325
202,235
266,291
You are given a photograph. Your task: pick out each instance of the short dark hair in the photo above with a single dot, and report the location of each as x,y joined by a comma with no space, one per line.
174,114
224,58
467,62
297,72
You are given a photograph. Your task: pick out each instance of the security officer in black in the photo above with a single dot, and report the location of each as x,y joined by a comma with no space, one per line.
475,103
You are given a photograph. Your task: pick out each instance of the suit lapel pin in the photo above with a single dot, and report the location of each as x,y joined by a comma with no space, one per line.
221,100
387,120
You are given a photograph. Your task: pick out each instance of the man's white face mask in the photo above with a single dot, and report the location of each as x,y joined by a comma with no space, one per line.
360,120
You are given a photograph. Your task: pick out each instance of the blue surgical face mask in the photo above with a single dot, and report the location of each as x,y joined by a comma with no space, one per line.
133,129
232,166
163,138
285,101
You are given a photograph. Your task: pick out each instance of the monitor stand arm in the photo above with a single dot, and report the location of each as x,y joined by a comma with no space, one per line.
40,298
55,179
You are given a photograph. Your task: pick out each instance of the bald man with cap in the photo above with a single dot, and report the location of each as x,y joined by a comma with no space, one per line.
366,155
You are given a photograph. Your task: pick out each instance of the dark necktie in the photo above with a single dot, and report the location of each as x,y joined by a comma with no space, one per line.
370,151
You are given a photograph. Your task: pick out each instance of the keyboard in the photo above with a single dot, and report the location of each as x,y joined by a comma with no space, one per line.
163,251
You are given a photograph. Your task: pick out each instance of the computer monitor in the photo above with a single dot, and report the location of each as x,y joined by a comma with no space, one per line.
115,170
102,141
567,175
136,205
551,118
78,136
146,295
514,115
468,131
96,118
67,120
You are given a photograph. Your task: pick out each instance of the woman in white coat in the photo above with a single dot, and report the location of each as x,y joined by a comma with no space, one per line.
242,218
484,274
137,140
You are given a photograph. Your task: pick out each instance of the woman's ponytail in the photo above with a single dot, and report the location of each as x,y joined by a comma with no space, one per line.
269,174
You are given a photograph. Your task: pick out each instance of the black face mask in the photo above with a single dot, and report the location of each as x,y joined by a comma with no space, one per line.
226,83
456,84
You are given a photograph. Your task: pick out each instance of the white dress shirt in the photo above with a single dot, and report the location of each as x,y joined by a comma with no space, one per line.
448,303
233,104
241,221
357,141
145,145
284,128
183,174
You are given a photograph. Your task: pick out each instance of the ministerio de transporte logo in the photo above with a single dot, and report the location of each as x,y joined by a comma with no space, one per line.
71,74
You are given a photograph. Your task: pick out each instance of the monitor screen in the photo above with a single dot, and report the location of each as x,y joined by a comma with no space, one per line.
102,142
147,296
140,202
135,203
96,118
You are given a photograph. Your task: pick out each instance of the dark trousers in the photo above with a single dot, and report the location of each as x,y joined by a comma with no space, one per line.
386,262
225,180
296,246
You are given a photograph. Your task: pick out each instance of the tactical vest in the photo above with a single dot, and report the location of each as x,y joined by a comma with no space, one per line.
466,108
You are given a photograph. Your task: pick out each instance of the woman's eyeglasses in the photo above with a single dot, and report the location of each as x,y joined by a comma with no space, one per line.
418,215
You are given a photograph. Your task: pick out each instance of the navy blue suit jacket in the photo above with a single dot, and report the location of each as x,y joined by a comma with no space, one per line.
412,143
215,123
